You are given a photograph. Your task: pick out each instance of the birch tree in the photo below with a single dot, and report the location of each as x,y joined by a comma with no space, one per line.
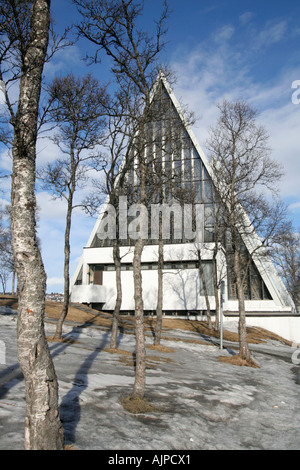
113,27
77,107
246,180
287,259
116,160
24,41
166,182
6,260
118,125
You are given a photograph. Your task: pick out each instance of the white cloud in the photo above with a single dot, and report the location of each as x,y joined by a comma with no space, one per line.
246,17
46,151
49,208
282,124
6,160
51,227
63,61
295,205
54,281
207,75
273,33
224,33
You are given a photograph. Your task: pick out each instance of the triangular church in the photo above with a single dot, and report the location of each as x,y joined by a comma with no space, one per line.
181,190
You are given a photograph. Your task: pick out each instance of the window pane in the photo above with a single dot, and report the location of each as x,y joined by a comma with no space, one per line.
197,169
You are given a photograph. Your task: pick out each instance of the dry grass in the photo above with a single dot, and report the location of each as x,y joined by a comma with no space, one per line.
88,316
128,358
236,360
160,348
118,351
127,361
258,335
255,335
138,405
70,447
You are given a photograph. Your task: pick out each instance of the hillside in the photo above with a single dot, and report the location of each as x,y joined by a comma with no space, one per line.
85,315
196,401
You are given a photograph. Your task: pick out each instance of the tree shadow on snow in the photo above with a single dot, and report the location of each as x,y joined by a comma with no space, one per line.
70,405
70,409
12,374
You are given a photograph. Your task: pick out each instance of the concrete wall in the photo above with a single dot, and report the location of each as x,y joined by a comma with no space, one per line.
89,294
287,326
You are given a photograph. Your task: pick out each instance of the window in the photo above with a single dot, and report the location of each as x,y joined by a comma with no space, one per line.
254,286
208,278
209,234
197,169
99,268
78,281
207,191
96,274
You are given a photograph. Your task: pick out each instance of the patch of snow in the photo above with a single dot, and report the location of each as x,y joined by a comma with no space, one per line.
202,403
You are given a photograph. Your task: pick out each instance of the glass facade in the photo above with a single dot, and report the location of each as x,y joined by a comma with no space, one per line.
175,173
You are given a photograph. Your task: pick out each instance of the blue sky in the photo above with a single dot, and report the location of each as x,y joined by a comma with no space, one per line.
218,49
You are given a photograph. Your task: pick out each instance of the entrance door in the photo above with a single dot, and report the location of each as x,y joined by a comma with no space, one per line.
98,278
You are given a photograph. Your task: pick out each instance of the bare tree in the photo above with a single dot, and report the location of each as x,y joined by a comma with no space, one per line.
113,28
77,107
6,259
116,161
214,229
118,125
244,176
168,144
24,42
215,224
203,284
287,258
218,256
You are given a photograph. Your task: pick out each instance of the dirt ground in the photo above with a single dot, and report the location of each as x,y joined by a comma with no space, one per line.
83,314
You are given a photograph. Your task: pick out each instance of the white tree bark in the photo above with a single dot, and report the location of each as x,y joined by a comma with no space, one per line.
43,429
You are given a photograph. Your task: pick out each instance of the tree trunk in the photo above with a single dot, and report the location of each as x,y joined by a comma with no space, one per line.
115,320
202,277
64,312
3,283
159,306
243,348
216,293
43,429
140,367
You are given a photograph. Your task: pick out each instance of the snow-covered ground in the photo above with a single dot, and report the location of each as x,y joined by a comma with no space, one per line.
203,403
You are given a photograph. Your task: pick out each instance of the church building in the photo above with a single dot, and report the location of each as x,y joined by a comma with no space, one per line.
182,211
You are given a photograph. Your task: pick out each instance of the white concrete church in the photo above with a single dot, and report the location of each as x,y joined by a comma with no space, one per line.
267,301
